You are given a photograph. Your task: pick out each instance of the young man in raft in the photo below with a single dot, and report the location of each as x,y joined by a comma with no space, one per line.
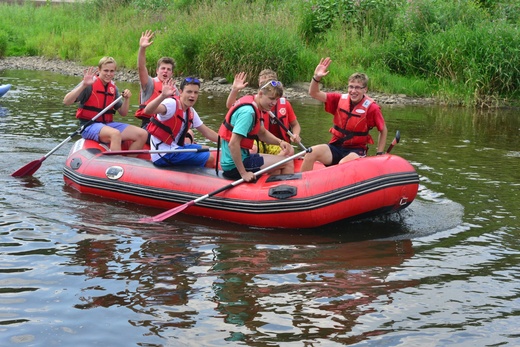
172,117
241,126
354,115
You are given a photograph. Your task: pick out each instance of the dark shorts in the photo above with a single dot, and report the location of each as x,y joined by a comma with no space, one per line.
253,163
339,153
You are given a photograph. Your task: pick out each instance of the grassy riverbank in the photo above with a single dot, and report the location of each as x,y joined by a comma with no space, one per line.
461,52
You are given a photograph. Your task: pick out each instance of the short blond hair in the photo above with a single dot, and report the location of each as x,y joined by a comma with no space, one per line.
273,86
266,75
106,60
360,78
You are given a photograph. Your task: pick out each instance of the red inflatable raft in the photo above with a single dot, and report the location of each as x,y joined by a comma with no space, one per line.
361,188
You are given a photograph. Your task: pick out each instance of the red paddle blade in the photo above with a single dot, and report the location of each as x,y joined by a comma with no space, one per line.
167,214
28,169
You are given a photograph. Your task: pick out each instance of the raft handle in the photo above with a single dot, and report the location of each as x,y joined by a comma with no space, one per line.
283,192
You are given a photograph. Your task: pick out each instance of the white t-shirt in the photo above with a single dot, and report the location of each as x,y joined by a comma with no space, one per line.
171,108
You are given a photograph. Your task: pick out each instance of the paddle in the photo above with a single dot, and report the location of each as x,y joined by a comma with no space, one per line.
271,114
175,210
141,151
31,168
395,141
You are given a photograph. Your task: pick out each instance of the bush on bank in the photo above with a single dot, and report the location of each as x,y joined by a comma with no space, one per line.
461,52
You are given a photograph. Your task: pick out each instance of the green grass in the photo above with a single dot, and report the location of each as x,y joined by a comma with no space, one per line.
462,52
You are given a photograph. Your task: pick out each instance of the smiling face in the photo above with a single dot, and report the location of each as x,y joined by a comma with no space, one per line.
356,90
357,86
107,72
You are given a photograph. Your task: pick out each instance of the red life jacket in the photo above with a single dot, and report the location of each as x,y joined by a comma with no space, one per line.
157,88
351,128
168,130
280,112
99,98
226,129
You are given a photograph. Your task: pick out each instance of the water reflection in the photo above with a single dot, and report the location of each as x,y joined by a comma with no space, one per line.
443,271
303,287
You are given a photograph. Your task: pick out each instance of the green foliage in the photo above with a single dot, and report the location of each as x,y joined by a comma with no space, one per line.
457,44
250,38
463,51
374,16
3,43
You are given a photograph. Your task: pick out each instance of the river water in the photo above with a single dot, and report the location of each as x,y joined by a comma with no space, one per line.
79,270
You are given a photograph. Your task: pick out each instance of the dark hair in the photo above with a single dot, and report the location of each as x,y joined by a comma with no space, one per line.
189,80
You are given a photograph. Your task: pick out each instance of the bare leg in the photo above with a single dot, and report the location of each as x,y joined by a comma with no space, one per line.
112,136
349,157
269,159
319,153
211,162
135,134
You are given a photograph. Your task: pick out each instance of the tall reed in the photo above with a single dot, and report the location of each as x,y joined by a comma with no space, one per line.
463,52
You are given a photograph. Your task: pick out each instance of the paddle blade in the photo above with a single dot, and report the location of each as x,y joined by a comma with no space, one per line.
395,141
28,169
167,214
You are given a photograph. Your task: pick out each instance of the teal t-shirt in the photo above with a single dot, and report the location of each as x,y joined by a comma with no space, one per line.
242,121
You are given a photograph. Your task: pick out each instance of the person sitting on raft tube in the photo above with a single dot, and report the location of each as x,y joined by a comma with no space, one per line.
173,117
239,129
282,110
94,93
354,115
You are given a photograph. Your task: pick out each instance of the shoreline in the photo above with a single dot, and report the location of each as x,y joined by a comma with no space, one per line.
297,90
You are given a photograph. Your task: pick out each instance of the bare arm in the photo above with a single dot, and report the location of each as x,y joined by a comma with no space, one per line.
88,79
155,106
296,129
238,84
236,154
123,110
208,133
144,43
381,141
320,71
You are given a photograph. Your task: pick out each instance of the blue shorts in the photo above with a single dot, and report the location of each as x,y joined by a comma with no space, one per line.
93,130
184,158
339,153
253,163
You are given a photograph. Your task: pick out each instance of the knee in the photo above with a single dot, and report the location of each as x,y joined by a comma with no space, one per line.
211,162
143,134
115,136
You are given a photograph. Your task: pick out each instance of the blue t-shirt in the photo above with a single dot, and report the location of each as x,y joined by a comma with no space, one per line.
242,121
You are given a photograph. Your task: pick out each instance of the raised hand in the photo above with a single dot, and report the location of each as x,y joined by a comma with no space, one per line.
168,88
146,39
89,76
322,68
239,82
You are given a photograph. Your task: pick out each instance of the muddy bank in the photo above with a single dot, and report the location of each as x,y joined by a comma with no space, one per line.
216,85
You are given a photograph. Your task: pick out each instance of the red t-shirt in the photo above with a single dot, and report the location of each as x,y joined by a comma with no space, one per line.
273,127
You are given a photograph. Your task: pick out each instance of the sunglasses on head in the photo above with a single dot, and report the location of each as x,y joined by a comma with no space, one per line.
191,80
273,83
